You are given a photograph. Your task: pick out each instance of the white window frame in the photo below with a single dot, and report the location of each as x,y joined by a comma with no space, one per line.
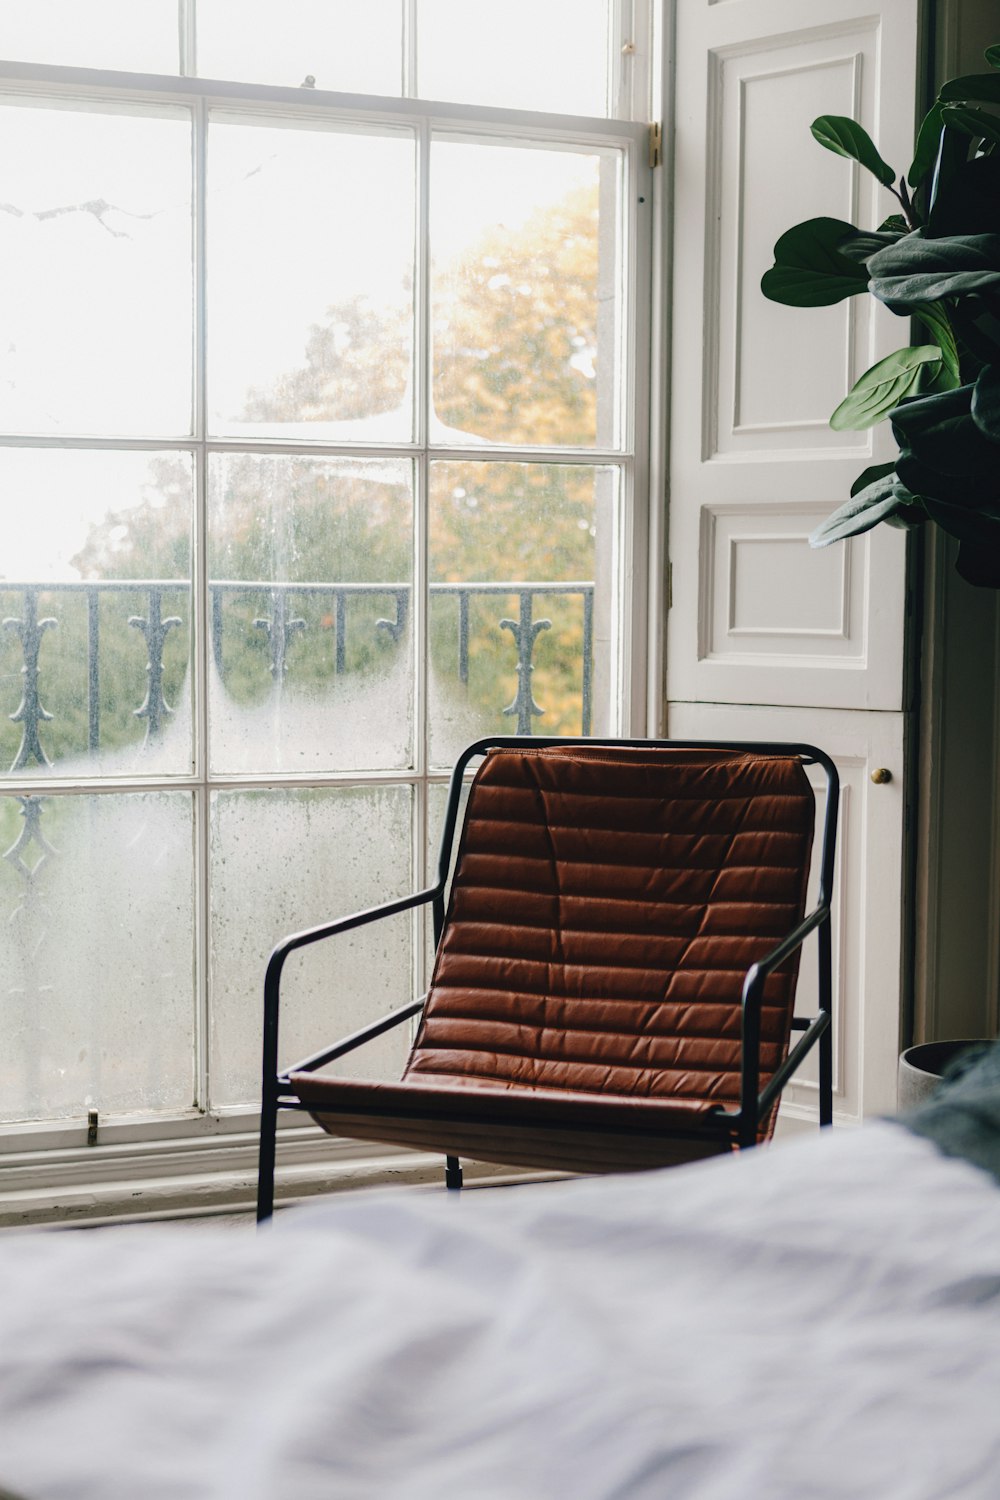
184,1161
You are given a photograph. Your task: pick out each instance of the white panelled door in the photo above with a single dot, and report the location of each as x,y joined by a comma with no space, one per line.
767,638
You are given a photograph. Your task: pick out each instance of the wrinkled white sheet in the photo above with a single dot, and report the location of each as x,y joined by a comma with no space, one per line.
820,1320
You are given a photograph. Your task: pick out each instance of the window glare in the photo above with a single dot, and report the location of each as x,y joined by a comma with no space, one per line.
550,56
525,54
340,44
140,36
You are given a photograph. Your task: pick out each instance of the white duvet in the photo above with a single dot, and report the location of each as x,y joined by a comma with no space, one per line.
819,1320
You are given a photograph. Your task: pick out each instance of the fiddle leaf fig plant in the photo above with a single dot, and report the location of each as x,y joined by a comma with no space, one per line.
936,260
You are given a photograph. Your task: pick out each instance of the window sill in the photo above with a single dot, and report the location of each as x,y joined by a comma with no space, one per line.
179,1178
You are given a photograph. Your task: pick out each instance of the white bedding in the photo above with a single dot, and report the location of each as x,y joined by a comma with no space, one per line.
819,1320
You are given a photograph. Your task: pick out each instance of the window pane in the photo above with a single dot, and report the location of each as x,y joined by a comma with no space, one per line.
95,299
343,45
523,54
310,575
284,860
525,294
96,609
139,37
97,940
310,302
515,551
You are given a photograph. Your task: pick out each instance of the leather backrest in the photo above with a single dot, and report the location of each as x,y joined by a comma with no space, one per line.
606,904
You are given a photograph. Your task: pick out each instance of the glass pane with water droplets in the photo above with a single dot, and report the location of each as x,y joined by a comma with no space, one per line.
283,860
95,605
520,612
97,955
526,294
310,585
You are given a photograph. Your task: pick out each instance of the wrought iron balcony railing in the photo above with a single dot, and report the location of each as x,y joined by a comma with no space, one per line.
280,625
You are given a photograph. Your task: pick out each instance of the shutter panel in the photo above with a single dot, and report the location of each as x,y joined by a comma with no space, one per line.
764,631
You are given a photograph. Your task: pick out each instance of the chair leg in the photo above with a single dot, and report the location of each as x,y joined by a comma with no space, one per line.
452,1172
826,1077
268,1143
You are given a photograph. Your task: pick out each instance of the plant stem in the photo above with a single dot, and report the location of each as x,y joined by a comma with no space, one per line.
905,204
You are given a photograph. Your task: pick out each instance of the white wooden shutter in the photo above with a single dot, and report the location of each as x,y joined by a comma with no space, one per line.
766,637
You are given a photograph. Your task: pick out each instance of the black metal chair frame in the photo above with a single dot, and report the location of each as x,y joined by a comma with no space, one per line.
739,1125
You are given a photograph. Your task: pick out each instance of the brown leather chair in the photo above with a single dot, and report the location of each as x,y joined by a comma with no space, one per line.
615,975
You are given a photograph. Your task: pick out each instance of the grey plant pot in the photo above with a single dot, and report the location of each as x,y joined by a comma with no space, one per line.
921,1069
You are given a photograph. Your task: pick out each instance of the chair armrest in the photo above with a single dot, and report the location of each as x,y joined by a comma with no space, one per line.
753,993
276,963
356,1039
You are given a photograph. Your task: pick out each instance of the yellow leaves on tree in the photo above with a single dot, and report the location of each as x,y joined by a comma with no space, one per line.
516,330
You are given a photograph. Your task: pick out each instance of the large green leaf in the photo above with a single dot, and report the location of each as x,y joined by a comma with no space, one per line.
975,122
865,243
944,455
905,516
925,151
847,138
917,269
869,476
938,430
880,389
871,505
985,408
809,269
984,86
934,316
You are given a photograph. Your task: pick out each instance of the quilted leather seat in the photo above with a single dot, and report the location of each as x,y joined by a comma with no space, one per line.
585,1007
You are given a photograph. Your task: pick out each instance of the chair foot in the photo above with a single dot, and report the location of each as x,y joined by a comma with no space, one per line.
452,1172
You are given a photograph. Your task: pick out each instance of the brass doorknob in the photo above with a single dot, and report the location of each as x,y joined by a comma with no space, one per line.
881,775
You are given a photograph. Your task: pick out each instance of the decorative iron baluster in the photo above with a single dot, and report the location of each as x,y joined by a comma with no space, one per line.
28,924
340,611
30,712
463,637
31,811
93,671
525,634
396,627
279,630
155,629
217,627
588,660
